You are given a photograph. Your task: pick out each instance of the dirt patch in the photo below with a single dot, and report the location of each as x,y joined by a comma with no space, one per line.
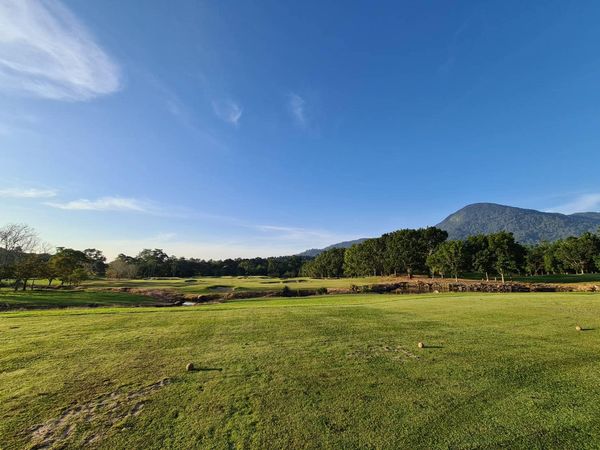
103,412
165,297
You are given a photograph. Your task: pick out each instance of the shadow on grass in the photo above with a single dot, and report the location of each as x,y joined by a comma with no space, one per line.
433,346
207,369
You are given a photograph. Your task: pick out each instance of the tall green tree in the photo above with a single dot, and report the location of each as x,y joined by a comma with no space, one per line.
365,259
507,254
478,255
449,258
27,268
65,262
153,263
96,264
535,263
578,253
404,252
328,264
431,238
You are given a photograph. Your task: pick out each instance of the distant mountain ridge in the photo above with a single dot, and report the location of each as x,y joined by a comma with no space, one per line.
346,244
528,225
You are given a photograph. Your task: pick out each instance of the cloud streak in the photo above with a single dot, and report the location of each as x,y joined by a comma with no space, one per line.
228,111
583,203
243,238
297,108
45,51
27,193
104,204
294,233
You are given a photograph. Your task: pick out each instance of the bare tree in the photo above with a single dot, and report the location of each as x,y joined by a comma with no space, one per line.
16,242
18,237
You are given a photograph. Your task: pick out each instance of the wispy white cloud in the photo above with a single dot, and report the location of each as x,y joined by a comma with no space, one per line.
165,237
45,51
27,193
297,108
294,233
228,111
453,47
242,238
233,246
582,203
105,204
182,113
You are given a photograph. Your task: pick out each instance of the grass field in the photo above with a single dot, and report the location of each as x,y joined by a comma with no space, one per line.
224,285
562,278
500,371
10,299
556,278
208,285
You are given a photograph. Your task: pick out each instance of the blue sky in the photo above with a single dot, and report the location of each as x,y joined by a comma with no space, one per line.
220,128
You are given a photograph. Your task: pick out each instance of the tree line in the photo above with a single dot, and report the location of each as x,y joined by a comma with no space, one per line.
156,263
24,258
428,251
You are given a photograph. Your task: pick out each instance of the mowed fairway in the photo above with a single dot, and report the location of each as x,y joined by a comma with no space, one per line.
335,371
211,285
69,299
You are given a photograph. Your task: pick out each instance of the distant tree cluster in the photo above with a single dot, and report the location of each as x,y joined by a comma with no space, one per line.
156,263
496,253
24,258
426,251
400,252
571,255
328,264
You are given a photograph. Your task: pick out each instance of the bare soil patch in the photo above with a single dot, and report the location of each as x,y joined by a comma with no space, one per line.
105,411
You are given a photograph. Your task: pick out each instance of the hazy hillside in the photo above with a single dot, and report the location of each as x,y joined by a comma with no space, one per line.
346,244
528,225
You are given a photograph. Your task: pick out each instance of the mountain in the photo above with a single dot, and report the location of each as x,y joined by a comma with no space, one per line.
528,225
315,251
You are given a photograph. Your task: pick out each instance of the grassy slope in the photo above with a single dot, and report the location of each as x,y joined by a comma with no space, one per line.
335,371
568,278
211,285
207,285
62,299
558,278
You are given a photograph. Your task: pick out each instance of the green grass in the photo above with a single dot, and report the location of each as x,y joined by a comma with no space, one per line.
557,278
562,278
10,299
208,285
502,371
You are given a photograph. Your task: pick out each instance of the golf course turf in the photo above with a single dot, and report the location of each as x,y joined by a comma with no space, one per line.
69,299
497,371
